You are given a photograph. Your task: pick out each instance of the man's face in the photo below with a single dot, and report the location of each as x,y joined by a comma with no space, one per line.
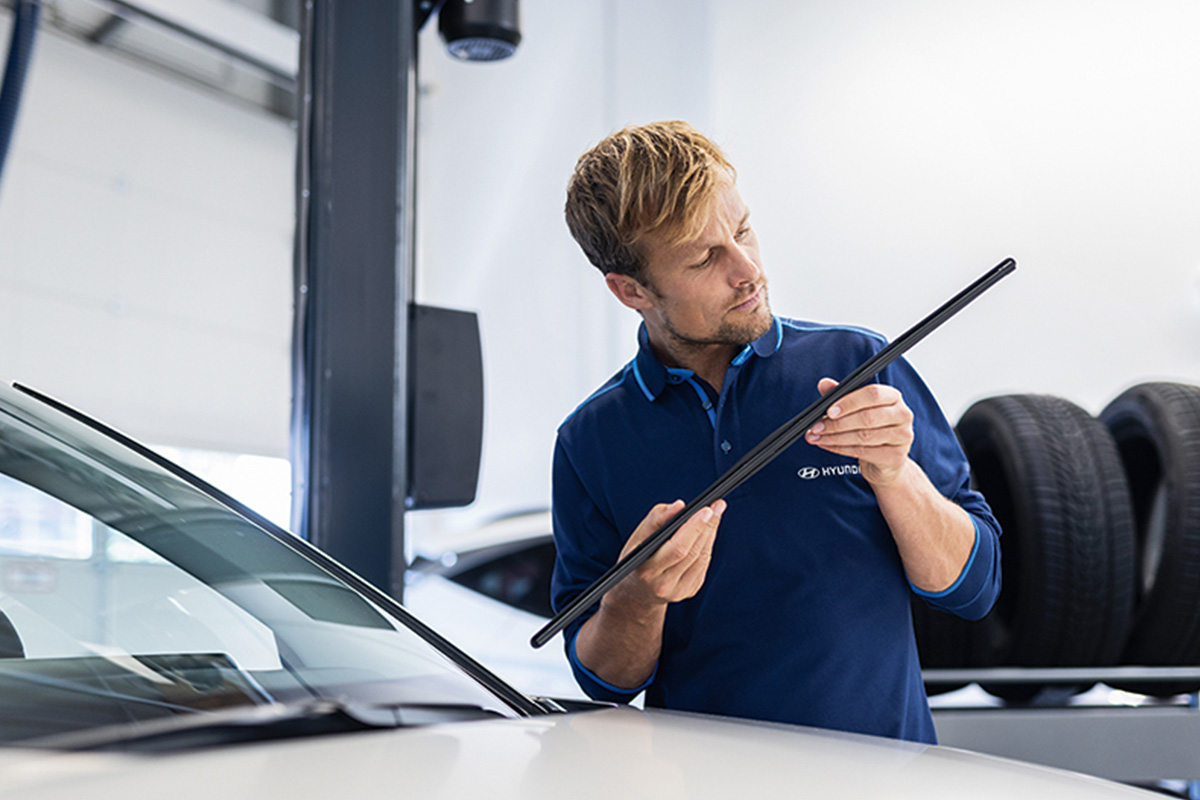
710,290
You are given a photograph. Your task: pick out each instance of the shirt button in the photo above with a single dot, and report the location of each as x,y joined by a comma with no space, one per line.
707,404
726,447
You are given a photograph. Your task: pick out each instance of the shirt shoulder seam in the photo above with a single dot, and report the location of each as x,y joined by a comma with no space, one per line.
603,390
817,327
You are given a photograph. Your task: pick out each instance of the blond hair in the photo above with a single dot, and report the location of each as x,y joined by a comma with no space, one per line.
657,178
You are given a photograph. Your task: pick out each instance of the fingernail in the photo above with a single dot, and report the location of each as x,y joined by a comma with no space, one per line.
834,411
820,426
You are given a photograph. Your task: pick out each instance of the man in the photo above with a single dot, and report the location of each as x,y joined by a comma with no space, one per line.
788,600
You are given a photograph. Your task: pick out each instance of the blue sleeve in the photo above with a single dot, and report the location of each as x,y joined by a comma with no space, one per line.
936,449
587,544
975,590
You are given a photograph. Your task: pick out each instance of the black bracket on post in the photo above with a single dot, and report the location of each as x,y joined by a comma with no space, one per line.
445,407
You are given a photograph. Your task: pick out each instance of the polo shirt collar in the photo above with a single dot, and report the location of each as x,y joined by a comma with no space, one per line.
652,376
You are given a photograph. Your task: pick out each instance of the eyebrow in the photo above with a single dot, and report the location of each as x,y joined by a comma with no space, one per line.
705,248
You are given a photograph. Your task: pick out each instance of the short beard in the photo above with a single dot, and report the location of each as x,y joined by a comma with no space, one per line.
727,333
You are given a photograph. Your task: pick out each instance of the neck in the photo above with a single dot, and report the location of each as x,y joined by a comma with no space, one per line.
709,361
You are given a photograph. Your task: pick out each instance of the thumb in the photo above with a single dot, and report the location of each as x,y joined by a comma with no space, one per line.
826,385
660,515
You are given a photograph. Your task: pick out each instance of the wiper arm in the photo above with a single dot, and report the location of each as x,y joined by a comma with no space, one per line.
261,723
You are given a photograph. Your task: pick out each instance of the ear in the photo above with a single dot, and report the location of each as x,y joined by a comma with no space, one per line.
629,291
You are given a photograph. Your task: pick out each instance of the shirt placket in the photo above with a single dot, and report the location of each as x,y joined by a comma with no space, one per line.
724,444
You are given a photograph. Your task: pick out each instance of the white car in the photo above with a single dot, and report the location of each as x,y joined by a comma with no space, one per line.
488,589
157,638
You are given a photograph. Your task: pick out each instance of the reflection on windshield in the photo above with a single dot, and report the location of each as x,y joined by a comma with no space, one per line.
126,595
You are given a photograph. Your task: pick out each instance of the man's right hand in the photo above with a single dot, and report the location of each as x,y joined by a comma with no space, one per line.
621,643
676,570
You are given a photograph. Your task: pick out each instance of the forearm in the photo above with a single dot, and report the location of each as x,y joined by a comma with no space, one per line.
621,643
933,534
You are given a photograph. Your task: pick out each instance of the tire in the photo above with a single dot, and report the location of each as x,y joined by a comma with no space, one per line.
1156,427
945,641
1053,477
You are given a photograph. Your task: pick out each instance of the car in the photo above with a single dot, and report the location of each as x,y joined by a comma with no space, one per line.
487,587
159,637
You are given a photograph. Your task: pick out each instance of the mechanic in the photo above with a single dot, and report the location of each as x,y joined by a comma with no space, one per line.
798,609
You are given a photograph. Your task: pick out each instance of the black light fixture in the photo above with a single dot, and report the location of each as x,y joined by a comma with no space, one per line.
480,30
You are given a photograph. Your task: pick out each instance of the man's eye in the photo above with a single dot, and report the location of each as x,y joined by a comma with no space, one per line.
707,260
742,233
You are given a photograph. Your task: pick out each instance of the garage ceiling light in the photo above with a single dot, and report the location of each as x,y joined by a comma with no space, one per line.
480,30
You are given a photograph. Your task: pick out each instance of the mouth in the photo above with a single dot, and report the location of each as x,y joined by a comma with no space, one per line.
750,302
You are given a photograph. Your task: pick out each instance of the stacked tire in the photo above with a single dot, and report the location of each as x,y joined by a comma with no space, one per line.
1101,542
1156,427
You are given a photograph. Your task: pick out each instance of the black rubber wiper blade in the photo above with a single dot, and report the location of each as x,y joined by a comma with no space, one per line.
770,447
260,723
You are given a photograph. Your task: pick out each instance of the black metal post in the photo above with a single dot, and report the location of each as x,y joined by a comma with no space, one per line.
353,266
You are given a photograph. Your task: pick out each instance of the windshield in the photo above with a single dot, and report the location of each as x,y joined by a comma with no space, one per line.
128,595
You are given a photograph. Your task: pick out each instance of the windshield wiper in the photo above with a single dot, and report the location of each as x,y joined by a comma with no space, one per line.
261,723
766,451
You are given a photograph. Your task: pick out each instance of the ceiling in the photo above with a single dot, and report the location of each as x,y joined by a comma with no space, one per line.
247,50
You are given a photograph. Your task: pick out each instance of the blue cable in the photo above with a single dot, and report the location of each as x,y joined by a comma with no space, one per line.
20,51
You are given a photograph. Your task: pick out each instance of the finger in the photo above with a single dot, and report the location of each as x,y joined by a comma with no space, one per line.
884,454
694,539
865,398
658,516
866,409
864,422
864,430
691,578
826,385
866,438
873,395
685,563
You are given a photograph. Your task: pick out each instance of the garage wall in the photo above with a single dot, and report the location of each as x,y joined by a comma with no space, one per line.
496,145
891,150
146,252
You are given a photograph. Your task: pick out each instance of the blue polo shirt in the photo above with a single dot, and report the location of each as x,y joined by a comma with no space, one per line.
804,615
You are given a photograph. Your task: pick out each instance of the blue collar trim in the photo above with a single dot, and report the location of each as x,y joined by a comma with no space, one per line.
652,375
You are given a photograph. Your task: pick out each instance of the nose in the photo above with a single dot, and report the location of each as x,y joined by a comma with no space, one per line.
743,267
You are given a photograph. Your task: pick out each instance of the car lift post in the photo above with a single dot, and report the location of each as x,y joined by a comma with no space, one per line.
353,281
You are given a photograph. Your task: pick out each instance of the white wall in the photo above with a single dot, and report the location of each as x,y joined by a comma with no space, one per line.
496,145
891,150
145,252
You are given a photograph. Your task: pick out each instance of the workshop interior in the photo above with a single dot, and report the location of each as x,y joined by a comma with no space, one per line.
290,319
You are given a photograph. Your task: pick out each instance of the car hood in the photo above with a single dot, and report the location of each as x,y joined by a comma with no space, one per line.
618,752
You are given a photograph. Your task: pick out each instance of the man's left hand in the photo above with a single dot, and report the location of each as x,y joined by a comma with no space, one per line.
872,424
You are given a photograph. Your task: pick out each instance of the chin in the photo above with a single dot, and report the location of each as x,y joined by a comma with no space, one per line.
747,331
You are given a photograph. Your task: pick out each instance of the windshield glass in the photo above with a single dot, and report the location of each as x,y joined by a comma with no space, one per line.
127,595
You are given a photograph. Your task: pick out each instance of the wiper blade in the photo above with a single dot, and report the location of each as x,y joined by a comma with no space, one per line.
260,723
766,450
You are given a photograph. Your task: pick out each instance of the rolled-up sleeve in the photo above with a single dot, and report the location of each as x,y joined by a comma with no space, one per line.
975,590
936,449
